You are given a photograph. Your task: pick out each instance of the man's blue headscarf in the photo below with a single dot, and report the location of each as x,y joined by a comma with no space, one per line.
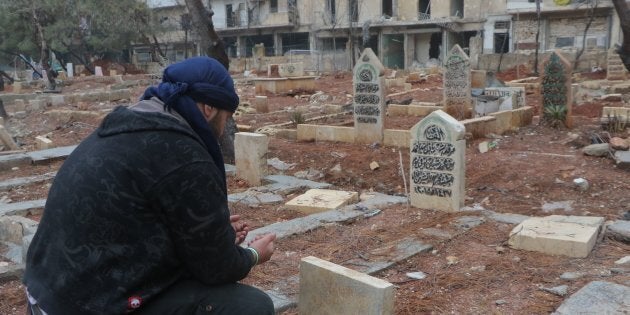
198,79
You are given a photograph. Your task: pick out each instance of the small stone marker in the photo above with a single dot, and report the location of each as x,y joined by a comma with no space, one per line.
319,200
250,152
261,104
43,143
437,160
572,236
112,73
327,288
369,102
98,71
457,94
556,92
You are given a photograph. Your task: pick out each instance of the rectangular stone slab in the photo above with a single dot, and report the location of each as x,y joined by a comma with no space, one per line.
557,235
318,200
328,288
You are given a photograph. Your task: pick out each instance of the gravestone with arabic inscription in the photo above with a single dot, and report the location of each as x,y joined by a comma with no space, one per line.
456,80
556,91
437,156
369,102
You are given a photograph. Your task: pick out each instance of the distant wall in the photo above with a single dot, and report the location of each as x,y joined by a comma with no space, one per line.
588,60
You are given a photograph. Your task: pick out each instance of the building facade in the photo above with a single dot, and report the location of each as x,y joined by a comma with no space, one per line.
404,34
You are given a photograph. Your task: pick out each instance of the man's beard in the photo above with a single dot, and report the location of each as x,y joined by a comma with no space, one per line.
214,125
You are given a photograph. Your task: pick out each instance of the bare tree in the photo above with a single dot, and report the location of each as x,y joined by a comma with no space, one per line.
590,13
623,11
213,46
537,37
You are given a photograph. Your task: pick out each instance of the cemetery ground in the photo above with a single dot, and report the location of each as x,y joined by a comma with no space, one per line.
469,269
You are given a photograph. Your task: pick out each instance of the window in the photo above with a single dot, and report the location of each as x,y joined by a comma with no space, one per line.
425,7
354,10
387,8
273,6
331,9
230,16
501,43
565,42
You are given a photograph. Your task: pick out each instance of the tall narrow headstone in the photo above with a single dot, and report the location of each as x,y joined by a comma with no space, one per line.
369,102
70,69
98,71
437,172
556,91
456,80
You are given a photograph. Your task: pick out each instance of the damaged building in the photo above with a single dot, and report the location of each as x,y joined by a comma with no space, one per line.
404,34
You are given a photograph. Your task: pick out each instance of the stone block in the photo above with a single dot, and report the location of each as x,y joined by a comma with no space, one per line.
261,104
332,109
333,133
478,79
396,138
522,116
290,134
557,235
57,100
287,70
481,126
328,288
250,151
43,143
11,230
17,87
503,122
622,158
36,105
394,110
407,86
306,132
19,105
319,200
421,110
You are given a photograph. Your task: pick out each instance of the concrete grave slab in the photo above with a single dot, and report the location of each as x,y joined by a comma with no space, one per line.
388,255
597,297
571,236
622,158
43,156
22,208
327,288
318,200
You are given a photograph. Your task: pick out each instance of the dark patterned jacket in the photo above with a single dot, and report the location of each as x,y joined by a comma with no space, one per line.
137,206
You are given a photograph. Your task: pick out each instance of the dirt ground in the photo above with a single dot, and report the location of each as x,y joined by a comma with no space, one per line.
526,169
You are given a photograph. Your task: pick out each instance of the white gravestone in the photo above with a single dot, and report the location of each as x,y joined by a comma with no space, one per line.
437,157
98,71
456,80
369,102
70,69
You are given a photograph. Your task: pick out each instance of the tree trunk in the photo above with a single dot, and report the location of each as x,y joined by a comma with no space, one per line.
45,56
214,47
623,11
591,17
